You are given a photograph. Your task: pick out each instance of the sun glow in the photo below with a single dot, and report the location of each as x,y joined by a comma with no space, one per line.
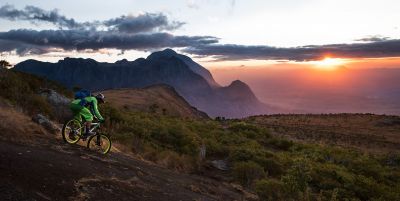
329,63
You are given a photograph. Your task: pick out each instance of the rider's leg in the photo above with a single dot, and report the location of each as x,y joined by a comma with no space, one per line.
87,115
87,126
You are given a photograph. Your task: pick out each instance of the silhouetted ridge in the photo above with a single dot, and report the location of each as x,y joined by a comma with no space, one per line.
191,80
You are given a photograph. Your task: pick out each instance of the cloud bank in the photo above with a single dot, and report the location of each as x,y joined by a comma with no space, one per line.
374,49
129,24
25,41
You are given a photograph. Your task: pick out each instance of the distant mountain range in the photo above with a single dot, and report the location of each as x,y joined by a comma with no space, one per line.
191,80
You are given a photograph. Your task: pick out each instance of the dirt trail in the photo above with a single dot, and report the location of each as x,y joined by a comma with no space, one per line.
56,171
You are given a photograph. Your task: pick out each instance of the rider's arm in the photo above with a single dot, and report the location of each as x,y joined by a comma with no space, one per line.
96,110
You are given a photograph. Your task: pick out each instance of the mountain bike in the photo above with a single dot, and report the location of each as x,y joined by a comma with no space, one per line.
72,133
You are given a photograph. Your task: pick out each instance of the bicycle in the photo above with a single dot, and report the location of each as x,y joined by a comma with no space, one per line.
72,133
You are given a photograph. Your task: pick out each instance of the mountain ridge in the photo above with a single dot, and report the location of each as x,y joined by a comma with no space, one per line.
194,82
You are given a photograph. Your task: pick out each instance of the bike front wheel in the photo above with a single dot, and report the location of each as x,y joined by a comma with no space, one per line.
100,143
72,131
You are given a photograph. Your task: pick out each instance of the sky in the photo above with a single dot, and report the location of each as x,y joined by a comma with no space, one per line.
216,33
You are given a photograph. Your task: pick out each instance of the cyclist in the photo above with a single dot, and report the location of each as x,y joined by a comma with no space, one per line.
87,108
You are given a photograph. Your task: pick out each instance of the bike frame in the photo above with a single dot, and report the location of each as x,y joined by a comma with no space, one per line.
93,126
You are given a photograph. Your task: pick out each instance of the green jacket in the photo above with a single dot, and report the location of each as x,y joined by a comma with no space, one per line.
91,103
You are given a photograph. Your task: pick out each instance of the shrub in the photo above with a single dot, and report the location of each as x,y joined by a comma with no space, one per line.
297,178
216,149
249,152
249,130
271,166
280,143
33,103
175,161
247,172
177,137
268,189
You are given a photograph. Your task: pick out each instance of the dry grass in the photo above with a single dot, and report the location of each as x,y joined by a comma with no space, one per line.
18,127
373,133
159,99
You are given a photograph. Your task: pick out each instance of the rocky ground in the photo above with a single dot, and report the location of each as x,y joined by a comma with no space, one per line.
56,171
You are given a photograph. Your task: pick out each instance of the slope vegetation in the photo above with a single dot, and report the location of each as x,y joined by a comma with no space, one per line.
372,133
158,99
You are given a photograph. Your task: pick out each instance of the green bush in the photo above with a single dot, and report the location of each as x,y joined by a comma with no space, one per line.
249,130
297,177
271,166
268,189
280,143
247,172
34,104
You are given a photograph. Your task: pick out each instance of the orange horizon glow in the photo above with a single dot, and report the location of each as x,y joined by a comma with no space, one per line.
327,63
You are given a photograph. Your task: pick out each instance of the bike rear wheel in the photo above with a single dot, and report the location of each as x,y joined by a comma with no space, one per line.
72,131
100,143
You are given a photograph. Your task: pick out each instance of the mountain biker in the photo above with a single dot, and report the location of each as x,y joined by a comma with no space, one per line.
87,110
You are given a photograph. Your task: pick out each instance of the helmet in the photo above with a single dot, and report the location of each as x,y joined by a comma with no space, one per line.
100,98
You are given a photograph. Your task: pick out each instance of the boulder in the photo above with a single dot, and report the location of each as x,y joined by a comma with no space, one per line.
220,164
59,102
46,123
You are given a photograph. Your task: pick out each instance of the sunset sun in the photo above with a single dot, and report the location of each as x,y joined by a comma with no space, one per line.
329,63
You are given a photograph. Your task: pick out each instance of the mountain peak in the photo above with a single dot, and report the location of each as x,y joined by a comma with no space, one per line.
239,84
69,60
122,62
167,53
242,91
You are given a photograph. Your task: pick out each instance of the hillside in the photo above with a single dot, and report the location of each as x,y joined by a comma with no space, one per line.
161,157
192,81
158,99
368,132
65,172
36,164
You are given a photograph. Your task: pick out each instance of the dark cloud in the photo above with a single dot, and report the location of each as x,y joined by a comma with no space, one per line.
385,48
141,32
142,23
376,38
31,41
35,14
128,24
22,48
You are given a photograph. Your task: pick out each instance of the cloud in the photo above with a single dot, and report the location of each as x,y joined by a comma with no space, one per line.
128,24
22,48
142,23
35,14
375,38
26,41
384,48
192,4
233,3
140,32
